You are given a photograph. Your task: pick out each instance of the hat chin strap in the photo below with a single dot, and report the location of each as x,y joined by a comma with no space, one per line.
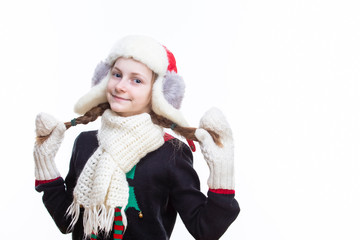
162,107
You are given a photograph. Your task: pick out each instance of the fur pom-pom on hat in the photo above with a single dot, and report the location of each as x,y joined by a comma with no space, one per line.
168,89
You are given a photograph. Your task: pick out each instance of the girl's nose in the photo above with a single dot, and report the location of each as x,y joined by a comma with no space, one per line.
121,86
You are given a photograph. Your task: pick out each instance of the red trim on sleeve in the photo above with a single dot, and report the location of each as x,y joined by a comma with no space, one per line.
38,182
222,191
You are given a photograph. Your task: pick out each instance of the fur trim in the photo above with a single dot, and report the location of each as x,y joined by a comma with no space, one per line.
143,49
163,108
94,97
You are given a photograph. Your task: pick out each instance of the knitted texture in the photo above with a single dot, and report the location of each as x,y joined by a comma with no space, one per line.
219,159
44,153
102,185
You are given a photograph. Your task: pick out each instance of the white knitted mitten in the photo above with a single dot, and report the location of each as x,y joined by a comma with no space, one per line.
219,159
44,153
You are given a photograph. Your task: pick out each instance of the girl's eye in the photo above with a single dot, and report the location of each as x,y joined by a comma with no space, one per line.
118,75
137,81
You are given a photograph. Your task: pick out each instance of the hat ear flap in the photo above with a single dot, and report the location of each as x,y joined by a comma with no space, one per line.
100,72
94,97
173,88
163,107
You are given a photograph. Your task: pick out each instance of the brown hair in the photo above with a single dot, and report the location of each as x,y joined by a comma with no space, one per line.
186,132
95,112
89,116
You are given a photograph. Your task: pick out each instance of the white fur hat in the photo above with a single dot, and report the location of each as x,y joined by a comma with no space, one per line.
168,89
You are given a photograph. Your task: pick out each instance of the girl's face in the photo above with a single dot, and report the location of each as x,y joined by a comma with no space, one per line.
129,88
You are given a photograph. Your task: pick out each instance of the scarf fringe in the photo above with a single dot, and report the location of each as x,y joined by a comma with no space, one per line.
73,211
106,218
102,184
96,218
124,219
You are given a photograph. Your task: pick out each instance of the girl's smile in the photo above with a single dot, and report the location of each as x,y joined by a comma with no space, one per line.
120,98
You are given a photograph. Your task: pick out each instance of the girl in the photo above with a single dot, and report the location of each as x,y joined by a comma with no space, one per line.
128,180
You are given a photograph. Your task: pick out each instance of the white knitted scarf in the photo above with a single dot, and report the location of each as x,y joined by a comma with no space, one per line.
102,185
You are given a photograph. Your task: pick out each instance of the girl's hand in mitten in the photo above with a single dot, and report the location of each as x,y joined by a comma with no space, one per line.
220,159
49,133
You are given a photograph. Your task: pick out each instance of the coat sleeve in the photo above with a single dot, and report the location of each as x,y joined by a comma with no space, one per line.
58,194
204,217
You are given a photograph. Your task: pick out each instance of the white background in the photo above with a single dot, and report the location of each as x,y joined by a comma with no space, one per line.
285,73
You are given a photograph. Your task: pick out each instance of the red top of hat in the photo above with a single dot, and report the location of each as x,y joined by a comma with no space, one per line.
172,62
